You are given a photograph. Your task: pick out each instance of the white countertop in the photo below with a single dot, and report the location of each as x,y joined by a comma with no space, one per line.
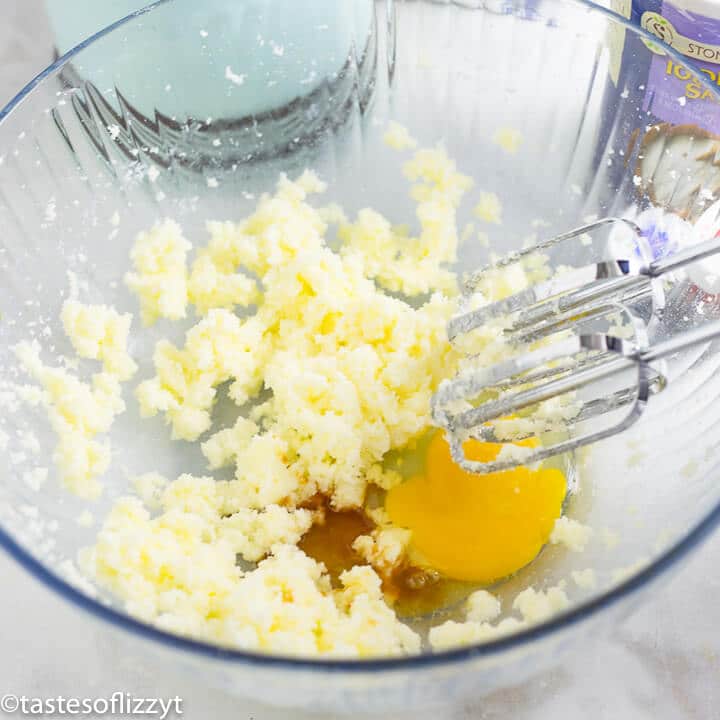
664,663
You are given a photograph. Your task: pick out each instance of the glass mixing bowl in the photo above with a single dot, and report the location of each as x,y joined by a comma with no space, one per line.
188,110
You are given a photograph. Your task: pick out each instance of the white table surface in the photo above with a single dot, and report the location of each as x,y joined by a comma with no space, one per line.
662,664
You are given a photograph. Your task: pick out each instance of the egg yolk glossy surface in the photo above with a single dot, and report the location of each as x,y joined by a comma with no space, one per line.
477,528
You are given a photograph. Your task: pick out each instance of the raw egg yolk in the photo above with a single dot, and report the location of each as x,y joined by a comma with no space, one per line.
478,528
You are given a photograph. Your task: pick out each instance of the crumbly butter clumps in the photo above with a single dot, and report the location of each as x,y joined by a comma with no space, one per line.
160,275
221,346
452,634
214,278
78,413
413,265
384,548
489,208
537,605
179,570
585,579
99,332
509,139
482,606
332,374
350,372
467,232
350,368
398,137
570,533
551,414
149,487
533,605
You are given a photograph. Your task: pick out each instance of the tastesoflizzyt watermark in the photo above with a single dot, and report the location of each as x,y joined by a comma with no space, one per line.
119,703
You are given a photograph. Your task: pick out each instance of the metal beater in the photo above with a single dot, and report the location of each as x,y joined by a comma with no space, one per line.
565,384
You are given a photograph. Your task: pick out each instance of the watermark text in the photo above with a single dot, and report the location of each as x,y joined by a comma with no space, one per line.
119,703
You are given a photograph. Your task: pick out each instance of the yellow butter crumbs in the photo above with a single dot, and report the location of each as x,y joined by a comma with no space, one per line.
98,332
509,139
337,372
179,570
398,137
585,579
350,372
570,533
350,368
80,412
489,208
533,606
160,274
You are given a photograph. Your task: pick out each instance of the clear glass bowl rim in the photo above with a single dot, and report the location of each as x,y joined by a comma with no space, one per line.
563,621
